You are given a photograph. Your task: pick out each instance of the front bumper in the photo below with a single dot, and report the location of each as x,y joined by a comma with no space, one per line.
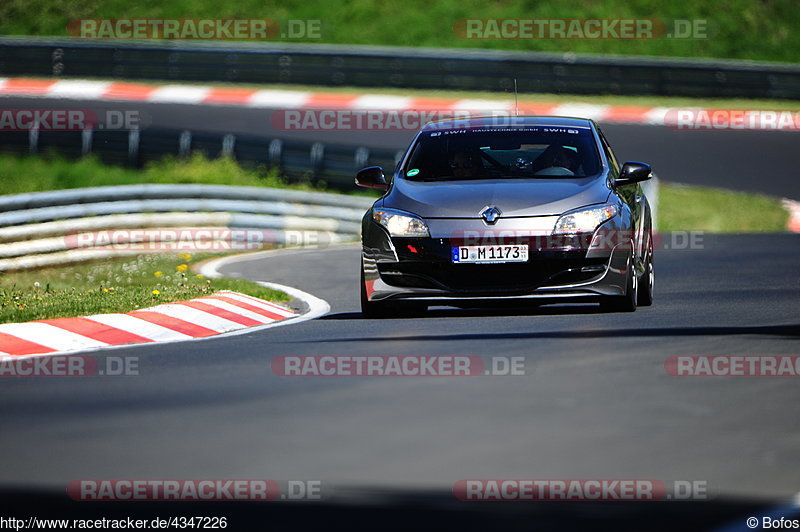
421,269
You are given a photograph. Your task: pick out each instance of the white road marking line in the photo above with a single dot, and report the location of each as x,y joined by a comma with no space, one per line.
381,102
582,110
481,105
78,89
178,94
278,99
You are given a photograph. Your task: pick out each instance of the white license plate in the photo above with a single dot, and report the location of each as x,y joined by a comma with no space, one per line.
484,254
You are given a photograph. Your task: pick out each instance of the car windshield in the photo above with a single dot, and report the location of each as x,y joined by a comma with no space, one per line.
490,153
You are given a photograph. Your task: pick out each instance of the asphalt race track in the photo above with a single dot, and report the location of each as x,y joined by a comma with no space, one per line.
596,400
756,161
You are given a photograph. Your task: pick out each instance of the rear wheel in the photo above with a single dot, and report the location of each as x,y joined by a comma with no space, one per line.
627,302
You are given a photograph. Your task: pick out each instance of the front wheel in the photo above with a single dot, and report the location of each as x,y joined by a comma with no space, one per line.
647,283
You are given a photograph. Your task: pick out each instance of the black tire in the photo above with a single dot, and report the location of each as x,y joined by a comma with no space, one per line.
627,302
646,283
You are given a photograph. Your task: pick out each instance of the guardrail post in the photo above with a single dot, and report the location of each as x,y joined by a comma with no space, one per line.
185,143
86,142
317,159
228,143
133,147
276,154
33,140
58,62
362,158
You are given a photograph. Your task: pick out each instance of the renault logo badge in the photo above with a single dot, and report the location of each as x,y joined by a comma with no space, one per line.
490,215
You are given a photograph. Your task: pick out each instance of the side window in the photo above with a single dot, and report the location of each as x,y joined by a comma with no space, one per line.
609,154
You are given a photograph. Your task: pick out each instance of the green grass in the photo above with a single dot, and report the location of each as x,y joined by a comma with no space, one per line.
691,208
20,173
24,173
120,285
740,29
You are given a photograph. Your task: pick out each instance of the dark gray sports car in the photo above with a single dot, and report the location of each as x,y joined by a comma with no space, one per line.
491,209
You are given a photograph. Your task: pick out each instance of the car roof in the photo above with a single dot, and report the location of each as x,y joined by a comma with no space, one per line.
507,121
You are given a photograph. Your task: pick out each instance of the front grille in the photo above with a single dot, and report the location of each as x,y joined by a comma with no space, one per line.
431,267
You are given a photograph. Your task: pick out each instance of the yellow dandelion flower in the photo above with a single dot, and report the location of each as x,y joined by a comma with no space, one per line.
182,268
199,275
158,274
156,292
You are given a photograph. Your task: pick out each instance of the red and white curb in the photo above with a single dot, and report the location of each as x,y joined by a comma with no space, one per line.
87,90
202,317
222,313
290,99
794,215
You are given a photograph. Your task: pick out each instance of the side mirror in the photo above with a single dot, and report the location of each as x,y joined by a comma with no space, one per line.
633,172
372,177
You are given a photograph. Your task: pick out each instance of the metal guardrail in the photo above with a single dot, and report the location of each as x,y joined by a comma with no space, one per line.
335,164
44,228
371,66
54,198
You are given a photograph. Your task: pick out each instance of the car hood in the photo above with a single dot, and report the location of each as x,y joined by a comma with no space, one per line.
514,197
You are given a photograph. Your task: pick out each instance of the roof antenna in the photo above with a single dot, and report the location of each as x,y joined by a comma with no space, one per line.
516,106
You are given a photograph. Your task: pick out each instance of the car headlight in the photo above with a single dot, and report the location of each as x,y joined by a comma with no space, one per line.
584,221
400,223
